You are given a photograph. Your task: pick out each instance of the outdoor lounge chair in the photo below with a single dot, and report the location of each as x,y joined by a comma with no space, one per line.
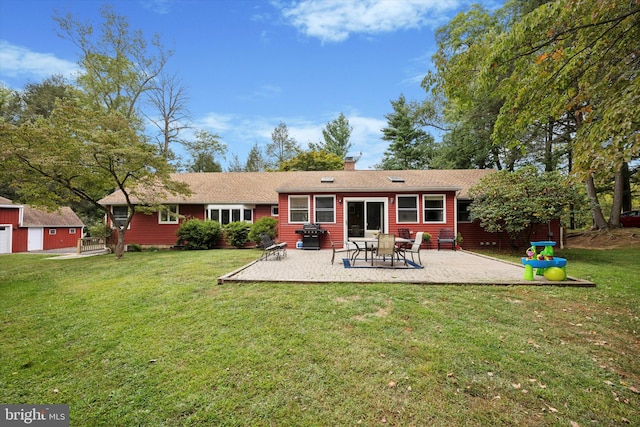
344,248
446,235
269,247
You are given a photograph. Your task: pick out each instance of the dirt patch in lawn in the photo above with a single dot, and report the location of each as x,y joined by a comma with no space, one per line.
604,239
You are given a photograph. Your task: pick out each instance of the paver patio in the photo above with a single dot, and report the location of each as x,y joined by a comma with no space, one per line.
440,267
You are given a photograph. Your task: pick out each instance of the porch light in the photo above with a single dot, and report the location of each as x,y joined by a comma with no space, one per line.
391,200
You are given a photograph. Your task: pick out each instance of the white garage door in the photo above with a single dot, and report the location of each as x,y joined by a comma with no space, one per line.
35,239
5,239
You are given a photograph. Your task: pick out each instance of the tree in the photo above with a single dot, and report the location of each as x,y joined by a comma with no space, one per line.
282,148
118,70
204,151
169,99
514,202
410,147
255,160
336,137
575,59
313,160
82,153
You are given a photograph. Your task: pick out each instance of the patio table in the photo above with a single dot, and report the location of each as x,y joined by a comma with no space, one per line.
366,241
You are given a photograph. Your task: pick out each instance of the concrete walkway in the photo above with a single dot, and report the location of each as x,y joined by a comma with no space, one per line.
440,267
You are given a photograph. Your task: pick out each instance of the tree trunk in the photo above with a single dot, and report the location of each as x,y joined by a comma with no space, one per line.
618,193
599,222
626,190
120,244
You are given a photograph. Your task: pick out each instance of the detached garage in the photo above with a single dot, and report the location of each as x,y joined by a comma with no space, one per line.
24,228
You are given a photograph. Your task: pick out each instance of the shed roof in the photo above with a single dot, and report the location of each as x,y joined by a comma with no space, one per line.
63,217
263,187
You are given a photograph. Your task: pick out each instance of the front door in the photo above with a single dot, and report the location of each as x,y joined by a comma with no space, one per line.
365,216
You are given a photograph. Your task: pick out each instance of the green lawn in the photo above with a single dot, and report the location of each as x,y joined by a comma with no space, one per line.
152,340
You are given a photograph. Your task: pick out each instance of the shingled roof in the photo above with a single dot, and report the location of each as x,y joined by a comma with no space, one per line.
263,187
63,217
33,217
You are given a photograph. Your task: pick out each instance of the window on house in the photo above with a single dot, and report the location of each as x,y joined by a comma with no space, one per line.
120,214
225,214
325,209
298,208
52,232
168,215
274,210
407,207
72,231
434,208
464,210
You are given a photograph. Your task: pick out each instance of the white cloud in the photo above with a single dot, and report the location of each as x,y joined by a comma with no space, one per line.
161,7
335,20
18,61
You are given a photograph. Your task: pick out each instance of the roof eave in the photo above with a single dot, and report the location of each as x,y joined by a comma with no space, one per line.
365,190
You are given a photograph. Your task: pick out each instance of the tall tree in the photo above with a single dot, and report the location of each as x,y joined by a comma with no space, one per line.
410,146
117,68
205,151
282,148
336,136
255,160
170,114
576,58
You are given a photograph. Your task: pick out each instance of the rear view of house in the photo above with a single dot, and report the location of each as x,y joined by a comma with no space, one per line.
24,228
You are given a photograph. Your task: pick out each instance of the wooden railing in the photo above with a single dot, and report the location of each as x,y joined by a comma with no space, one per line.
88,244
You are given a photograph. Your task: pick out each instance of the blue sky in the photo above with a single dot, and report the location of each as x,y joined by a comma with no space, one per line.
249,65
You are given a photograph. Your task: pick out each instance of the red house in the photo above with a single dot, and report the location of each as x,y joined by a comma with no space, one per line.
348,203
24,228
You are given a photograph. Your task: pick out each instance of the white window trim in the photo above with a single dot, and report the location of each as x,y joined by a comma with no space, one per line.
397,205
230,208
173,217
308,209
315,208
52,232
444,208
72,231
273,208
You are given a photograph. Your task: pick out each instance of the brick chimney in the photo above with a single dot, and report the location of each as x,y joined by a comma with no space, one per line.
349,164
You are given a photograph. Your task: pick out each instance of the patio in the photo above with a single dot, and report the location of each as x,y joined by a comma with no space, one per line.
440,268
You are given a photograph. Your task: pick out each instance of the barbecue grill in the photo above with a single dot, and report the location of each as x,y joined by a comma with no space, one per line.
311,233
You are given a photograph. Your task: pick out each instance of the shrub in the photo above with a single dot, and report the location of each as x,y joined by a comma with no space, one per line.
199,234
266,224
237,233
134,247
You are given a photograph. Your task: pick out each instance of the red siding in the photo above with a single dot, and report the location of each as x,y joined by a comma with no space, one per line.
147,231
62,239
11,216
287,231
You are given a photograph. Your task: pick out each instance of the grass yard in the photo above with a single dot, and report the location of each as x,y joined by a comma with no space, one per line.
151,340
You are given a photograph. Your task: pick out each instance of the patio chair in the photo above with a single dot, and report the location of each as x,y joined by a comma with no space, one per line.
386,247
345,248
269,247
403,233
414,249
446,235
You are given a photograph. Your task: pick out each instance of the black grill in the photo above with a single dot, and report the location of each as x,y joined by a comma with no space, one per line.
311,233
